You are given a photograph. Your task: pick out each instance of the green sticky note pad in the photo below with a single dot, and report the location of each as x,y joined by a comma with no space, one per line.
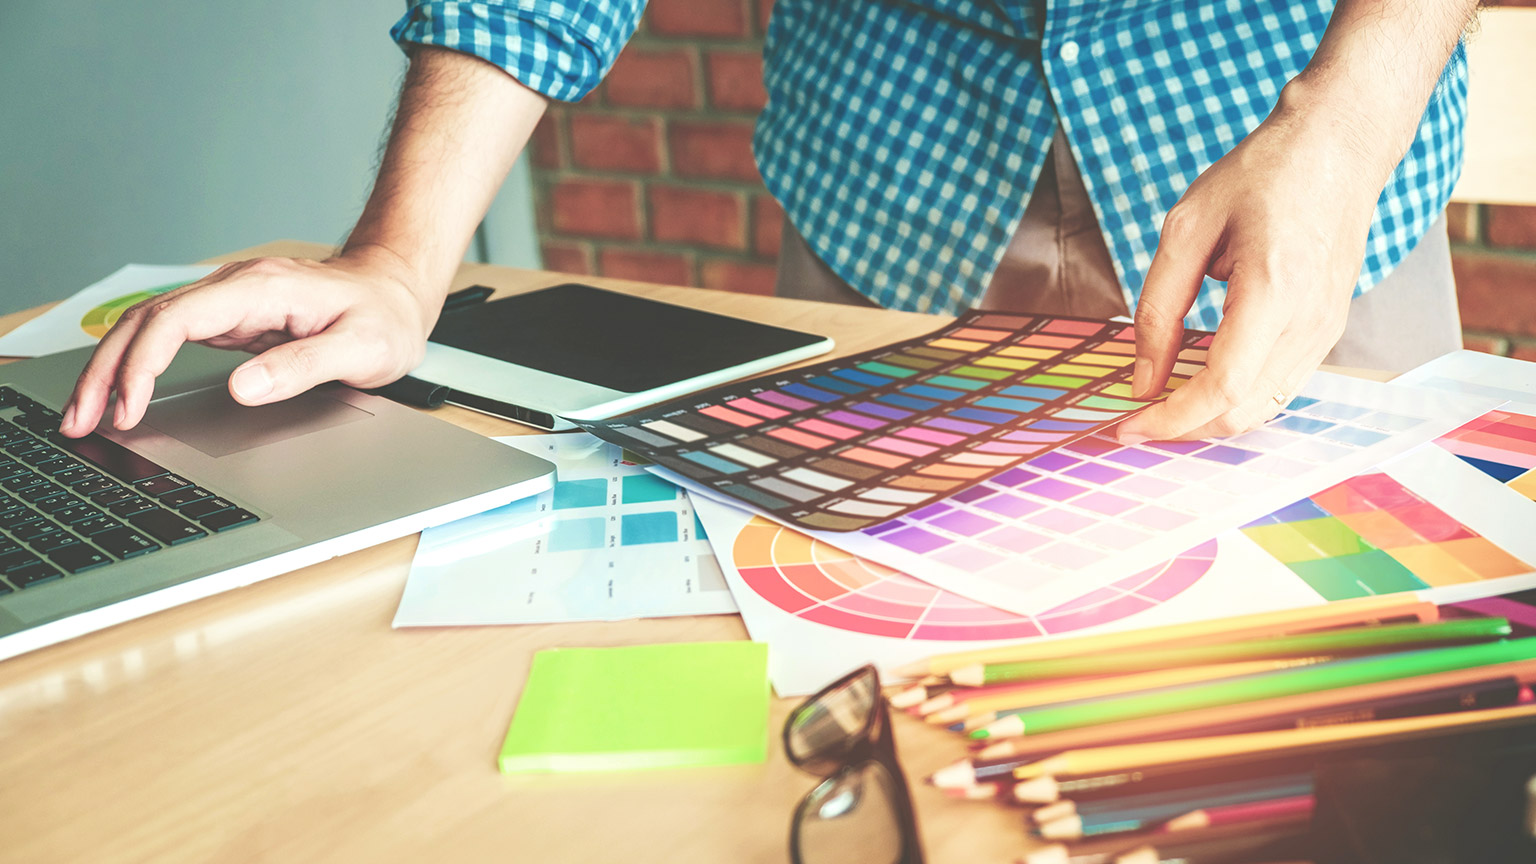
645,706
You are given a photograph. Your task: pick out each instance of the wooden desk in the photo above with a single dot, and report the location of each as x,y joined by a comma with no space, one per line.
287,722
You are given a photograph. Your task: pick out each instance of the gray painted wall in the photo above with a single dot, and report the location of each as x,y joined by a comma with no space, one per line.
166,132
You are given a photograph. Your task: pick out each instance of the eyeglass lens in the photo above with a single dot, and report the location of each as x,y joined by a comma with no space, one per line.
827,726
852,817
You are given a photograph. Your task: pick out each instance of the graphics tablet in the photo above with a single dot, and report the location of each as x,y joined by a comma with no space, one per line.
578,351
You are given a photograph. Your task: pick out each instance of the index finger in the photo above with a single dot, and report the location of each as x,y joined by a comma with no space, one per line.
1247,336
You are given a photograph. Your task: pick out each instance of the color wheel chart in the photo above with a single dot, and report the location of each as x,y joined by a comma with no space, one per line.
1373,535
850,443
101,317
813,580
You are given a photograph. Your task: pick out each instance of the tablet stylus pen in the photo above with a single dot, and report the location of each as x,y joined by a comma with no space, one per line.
471,296
413,391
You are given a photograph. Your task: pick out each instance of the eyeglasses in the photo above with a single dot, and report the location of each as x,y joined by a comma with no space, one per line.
862,811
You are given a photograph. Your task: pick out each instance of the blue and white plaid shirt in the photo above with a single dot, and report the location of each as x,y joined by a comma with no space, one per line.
903,136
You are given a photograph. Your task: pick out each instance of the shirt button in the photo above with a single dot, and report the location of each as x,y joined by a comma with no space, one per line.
1069,51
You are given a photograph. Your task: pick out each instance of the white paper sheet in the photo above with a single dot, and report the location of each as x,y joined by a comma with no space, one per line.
609,542
84,318
824,611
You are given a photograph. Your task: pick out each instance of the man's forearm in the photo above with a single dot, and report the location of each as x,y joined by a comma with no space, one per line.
1374,70
459,126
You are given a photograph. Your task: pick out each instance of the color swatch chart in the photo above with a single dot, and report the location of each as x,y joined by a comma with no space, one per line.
1373,535
1094,512
611,541
810,579
843,445
1502,443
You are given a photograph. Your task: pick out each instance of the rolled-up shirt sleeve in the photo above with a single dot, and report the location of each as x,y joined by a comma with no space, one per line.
561,48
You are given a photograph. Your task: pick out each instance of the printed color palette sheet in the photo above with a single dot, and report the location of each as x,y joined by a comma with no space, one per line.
610,541
1095,512
854,442
1501,443
820,607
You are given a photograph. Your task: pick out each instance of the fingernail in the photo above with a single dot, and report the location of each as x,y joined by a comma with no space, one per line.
252,382
120,413
1141,379
1130,438
69,417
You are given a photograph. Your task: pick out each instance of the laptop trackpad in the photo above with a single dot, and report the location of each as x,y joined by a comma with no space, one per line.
213,422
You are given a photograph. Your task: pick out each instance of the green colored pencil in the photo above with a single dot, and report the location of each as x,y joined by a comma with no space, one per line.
1273,685
1327,642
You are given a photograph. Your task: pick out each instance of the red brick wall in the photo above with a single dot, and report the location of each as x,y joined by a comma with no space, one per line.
1493,250
651,177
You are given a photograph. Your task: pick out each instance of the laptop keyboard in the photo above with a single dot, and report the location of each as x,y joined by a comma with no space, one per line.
72,505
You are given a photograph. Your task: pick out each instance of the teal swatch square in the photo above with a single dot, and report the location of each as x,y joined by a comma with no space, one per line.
581,493
575,534
641,528
645,488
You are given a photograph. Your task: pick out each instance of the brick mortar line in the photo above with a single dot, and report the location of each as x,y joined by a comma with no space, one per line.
642,113
1513,253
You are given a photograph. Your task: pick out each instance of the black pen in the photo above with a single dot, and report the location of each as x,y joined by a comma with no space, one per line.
471,296
414,392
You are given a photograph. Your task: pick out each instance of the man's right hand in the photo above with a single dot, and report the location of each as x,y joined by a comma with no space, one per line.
355,319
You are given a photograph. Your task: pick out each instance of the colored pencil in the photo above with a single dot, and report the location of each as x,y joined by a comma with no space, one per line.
1190,723
1300,806
1205,795
1402,697
906,696
1269,685
986,709
955,697
1255,837
1343,613
1519,720
1330,642
1148,816
1044,790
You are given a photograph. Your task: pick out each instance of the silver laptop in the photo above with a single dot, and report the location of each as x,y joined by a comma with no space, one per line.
208,495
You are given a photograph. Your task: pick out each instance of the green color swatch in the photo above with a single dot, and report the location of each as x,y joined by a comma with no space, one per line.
645,706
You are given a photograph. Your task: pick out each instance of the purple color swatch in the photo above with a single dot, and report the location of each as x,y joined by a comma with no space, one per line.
853,419
1011,506
1137,458
954,425
1015,477
964,522
1055,490
1227,455
1096,473
916,540
1052,462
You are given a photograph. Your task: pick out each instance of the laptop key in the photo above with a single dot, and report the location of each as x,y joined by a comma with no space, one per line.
133,505
124,542
204,507
94,525
22,481
113,496
184,496
34,494
53,540
15,560
112,457
28,531
166,526
87,485
158,486
78,557
11,519
224,520
35,573
78,513
62,501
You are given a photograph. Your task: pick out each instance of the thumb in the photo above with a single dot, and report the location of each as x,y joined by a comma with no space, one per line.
294,367
1173,280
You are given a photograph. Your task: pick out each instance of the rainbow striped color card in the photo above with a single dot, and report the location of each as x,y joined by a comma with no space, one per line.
854,442
1501,444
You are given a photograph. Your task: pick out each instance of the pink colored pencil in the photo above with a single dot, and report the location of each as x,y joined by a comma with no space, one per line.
1296,807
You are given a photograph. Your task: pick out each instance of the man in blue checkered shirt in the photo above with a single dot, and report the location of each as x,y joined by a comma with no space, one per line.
1252,165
